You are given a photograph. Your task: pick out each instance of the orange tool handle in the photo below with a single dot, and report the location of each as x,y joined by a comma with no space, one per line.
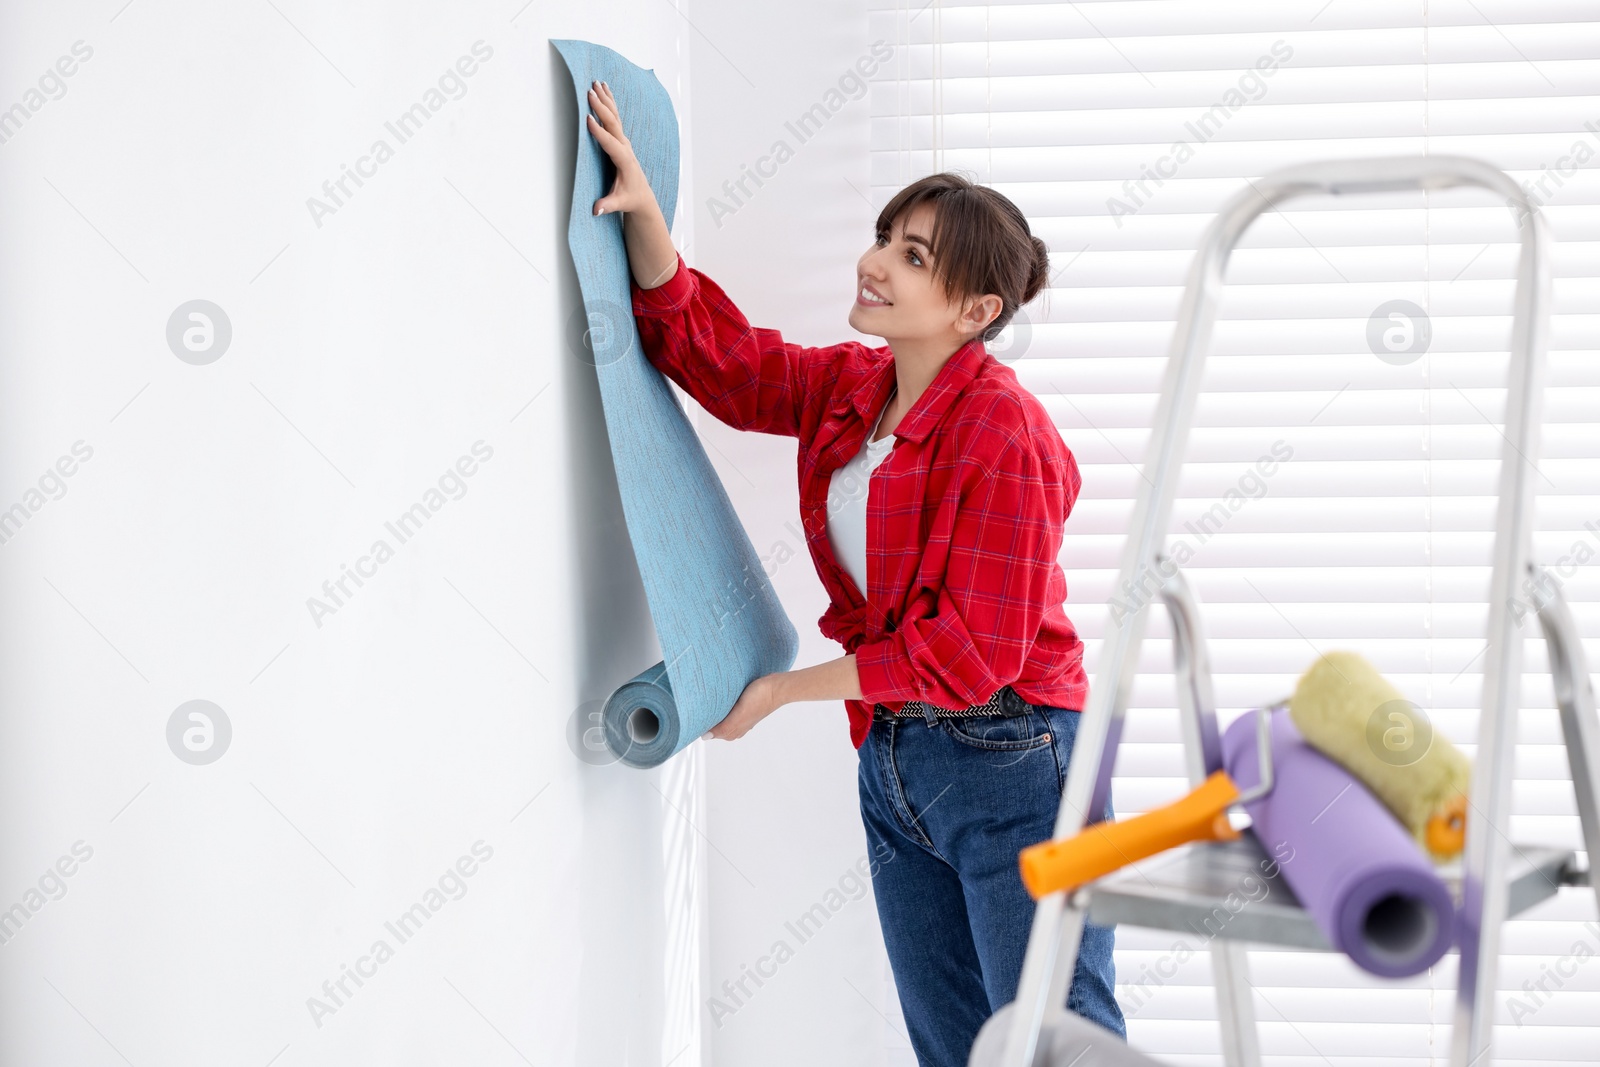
1103,847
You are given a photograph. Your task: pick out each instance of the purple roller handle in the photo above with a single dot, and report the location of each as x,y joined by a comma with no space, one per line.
1366,883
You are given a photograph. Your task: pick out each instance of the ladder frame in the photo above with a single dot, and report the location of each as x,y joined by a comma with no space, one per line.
1057,928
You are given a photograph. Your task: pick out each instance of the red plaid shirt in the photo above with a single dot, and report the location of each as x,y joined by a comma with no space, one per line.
964,518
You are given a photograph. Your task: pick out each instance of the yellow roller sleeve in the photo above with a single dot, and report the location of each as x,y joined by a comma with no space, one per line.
1350,713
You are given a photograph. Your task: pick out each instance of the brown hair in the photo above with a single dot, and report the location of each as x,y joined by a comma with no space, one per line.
980,242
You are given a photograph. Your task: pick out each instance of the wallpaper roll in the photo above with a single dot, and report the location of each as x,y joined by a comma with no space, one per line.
716,615
1360,874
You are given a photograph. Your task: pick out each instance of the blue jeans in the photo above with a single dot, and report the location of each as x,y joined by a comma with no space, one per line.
957,801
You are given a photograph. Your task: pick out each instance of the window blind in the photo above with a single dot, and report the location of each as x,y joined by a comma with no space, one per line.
1119,127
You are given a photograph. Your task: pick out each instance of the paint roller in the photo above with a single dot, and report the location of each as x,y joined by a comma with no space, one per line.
1350,713
1354,867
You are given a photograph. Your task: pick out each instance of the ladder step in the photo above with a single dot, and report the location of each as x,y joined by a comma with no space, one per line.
1235,890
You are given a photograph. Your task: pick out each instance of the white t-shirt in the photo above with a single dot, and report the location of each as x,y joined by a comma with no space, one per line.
847,503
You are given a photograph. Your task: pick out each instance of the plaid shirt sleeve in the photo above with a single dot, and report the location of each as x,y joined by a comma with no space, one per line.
961,641
748,377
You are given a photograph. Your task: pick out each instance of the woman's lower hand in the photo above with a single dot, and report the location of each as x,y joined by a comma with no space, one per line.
759,699
631,190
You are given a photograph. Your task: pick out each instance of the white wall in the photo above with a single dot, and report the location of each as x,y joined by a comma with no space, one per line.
430,711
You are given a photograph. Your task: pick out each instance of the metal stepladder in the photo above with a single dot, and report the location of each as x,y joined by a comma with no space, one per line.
1492,881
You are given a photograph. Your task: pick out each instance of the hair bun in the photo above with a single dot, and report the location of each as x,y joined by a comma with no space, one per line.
1040,275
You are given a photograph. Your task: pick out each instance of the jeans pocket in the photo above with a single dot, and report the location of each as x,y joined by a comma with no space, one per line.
1008,733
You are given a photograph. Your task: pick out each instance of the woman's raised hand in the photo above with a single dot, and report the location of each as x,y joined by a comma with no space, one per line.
631,190
652,259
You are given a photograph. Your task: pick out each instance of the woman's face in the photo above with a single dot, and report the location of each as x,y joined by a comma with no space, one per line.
898,269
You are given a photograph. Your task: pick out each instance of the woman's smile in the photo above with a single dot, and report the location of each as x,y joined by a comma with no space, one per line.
867,296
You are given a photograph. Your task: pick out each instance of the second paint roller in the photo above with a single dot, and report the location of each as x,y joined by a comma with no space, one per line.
1350,713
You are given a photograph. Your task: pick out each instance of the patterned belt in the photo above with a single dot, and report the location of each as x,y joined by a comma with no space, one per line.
1004,702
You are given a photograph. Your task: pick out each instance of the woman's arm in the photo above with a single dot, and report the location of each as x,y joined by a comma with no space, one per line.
834,680
650,252
747,377
750,378
958,643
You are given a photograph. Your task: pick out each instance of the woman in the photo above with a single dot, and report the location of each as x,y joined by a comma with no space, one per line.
963,676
